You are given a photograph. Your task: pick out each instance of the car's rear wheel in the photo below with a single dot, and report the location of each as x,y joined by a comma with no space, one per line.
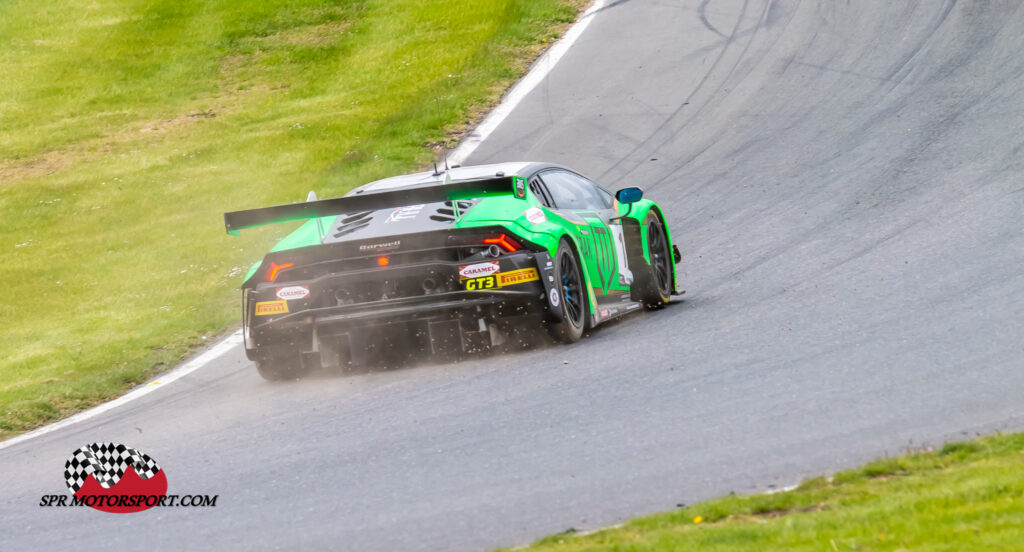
572,295
281,367
656,285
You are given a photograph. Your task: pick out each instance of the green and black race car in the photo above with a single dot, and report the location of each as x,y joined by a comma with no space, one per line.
451,260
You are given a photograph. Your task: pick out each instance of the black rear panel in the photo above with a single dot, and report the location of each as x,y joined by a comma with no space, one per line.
413,252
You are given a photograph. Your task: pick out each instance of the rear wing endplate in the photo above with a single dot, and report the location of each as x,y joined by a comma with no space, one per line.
236,221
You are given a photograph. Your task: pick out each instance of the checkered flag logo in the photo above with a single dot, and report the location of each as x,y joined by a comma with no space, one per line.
107,462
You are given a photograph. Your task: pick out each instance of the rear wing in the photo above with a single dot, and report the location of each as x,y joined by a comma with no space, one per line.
236,221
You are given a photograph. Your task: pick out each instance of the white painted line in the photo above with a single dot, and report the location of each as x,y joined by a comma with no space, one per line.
540,69
781,489
598,530
537,73
196,363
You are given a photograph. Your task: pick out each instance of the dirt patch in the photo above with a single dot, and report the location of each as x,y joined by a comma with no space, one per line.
54,161
311,35
778,512
40,165
159,126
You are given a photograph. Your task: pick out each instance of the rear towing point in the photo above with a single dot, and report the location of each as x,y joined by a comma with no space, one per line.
551,300
677,258
571,296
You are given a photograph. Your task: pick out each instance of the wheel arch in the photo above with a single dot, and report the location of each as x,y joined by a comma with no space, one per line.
641,214
573,241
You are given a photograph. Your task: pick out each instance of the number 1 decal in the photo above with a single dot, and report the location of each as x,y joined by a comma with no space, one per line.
625,275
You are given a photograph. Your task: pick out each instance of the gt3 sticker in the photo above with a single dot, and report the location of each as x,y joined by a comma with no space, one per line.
264,308
486,282
501,279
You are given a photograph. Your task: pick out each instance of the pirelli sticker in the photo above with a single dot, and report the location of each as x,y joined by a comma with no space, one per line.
517,277
264,308
501,279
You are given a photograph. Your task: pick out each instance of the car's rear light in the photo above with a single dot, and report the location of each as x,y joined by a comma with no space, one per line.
383,261
275,269
505,242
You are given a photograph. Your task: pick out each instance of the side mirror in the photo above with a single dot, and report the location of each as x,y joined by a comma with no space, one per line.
626,196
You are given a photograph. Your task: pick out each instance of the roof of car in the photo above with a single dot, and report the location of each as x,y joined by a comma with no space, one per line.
455,174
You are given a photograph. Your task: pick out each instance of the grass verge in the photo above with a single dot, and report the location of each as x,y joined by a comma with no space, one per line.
128,127
966,496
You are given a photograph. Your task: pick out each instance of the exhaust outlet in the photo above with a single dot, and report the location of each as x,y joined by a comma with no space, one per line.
343,296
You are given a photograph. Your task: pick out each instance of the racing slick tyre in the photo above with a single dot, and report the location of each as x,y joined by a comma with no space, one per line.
281,367
656,278
573,296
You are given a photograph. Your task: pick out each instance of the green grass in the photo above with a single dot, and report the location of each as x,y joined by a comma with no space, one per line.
128,127
966,496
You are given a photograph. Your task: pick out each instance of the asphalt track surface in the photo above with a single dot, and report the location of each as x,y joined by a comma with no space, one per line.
844,180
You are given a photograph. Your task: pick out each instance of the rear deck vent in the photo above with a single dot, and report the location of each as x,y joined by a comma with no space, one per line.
351,223
447,212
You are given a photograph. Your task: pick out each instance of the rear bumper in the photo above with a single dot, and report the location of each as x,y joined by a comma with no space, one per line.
321,315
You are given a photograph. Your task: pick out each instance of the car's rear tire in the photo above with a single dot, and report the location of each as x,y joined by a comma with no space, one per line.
572,294
656,278
281,367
